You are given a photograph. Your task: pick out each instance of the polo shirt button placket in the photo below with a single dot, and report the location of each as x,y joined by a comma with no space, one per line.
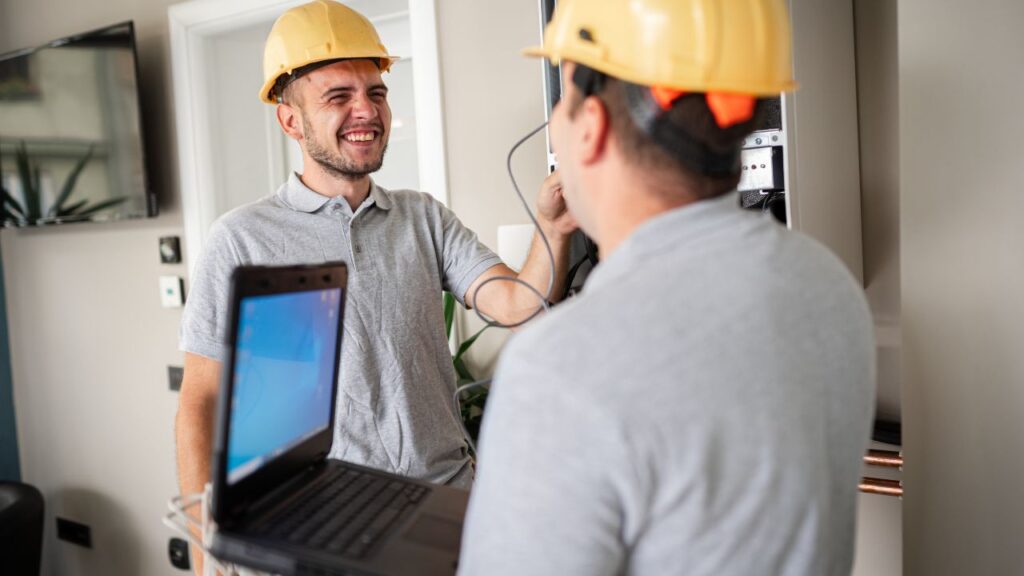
339,212
357,248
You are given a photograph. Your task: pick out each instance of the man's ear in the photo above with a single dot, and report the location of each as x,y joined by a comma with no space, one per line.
594,131
288,118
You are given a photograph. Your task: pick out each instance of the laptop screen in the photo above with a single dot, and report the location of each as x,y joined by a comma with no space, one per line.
284,363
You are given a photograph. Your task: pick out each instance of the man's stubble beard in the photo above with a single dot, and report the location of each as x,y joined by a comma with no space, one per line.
339,166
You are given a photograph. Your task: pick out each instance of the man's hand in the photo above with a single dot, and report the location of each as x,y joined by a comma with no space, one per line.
552,212
508,302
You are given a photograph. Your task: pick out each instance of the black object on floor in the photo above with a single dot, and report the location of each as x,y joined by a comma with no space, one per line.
21,528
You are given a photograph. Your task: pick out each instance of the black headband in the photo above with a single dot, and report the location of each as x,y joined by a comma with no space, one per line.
285,79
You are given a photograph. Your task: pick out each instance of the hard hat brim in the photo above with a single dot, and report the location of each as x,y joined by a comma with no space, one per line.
540,52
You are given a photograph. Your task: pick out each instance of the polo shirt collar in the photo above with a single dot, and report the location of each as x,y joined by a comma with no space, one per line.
301,198
380,196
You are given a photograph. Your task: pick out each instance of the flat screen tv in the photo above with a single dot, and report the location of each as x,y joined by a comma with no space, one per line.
71,141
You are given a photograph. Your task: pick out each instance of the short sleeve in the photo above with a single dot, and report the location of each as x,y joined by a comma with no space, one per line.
464,258
544,501
204,321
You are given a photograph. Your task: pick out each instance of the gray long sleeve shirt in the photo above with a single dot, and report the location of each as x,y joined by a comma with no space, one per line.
702,409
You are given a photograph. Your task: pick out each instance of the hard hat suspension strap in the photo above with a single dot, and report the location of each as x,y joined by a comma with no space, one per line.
650,107
285,79
652,119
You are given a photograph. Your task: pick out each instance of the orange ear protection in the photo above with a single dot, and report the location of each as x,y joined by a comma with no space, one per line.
728,109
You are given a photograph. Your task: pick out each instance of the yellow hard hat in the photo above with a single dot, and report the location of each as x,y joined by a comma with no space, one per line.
319,31
732,46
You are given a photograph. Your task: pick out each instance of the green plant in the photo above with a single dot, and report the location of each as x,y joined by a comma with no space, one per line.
471,402
7,215
31,211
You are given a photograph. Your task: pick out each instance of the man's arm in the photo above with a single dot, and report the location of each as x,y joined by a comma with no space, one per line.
193,428
510,302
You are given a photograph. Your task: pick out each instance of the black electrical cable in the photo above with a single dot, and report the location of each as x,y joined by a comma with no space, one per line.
571,276
591,248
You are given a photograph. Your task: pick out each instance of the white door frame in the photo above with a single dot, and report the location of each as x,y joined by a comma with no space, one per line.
193,24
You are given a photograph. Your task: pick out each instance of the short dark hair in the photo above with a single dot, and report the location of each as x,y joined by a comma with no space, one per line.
689,114
282,87
286,93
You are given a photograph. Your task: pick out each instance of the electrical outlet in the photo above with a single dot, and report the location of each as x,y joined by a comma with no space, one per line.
177,550
74,532
174,376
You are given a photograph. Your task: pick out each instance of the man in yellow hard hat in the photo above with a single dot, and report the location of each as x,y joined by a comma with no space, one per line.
323,64
704,406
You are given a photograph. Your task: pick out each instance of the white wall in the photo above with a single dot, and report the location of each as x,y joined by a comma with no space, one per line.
493,97
961,232
89,347
89,341
878,112
821,129
240,145
879,528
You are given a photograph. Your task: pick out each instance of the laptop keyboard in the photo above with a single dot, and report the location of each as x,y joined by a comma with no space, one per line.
345,512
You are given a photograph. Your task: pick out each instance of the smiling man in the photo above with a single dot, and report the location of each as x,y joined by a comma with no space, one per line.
323,66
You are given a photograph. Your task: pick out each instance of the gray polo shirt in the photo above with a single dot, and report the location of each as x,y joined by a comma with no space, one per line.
702,409
394,409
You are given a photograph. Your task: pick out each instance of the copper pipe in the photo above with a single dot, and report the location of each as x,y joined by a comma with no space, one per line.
881,486
884,458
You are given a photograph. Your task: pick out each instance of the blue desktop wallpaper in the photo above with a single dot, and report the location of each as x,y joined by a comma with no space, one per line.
284,363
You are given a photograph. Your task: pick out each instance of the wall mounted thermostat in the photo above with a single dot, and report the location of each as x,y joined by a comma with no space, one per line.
171,292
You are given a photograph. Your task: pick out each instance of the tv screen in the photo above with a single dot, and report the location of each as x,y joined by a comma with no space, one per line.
70,132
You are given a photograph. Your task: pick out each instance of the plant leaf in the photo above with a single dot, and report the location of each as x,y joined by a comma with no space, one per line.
29,194
37,208
465,376
69,183
449,314
102,206
10,201
70,210
469,342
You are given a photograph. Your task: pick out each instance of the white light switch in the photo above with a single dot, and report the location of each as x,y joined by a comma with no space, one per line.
170,292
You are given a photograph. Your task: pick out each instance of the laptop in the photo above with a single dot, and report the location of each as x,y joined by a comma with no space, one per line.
279,504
